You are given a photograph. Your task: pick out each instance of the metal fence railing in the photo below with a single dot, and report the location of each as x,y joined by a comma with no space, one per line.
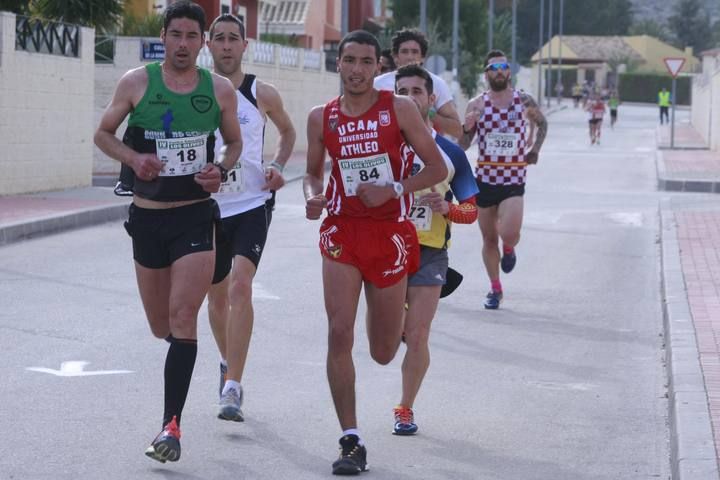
42,36
104,49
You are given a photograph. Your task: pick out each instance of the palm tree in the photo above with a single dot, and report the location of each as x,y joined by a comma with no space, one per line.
103,15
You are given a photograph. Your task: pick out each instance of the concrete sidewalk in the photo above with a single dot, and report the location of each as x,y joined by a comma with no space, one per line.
33,215
690,167
690,235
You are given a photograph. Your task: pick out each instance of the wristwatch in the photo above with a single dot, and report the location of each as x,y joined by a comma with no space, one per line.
223,172
398,188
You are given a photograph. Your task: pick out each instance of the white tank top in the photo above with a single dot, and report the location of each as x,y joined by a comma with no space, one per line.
252,126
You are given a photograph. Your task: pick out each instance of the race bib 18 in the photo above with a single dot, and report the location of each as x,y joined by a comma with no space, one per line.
182,156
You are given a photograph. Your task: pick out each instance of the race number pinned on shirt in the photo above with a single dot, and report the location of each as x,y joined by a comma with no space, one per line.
421,216
502,144
375,169
182,156
234,183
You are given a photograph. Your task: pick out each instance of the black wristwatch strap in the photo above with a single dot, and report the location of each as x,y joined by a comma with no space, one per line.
223,172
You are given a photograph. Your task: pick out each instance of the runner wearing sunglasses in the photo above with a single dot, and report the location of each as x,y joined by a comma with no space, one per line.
503,119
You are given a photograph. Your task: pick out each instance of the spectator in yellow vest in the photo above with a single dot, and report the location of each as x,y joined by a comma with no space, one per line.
664,104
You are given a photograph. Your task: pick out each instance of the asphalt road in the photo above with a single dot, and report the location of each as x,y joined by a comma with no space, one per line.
566,381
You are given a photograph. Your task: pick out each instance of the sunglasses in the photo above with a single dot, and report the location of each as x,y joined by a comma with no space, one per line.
494,67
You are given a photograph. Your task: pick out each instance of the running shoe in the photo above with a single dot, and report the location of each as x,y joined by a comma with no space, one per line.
493,299
353,457
223,377
229,408
404,421
166,446
508,261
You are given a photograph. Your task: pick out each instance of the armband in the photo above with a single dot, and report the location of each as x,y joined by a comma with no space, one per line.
277,166
463,213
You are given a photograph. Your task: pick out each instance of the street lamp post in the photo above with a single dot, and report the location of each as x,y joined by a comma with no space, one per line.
513,47
550,59
423,16
560,35
455,50
491,22
540,55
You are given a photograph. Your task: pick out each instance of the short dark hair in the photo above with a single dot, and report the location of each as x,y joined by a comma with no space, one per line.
230,18
494,54
184,9
362,37
413,70
406,35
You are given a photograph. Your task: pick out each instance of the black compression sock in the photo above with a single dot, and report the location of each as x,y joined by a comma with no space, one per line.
179,365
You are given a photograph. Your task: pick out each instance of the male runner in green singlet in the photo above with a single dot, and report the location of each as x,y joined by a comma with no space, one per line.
175,109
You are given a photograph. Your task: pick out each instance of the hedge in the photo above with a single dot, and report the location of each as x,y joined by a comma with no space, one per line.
644,87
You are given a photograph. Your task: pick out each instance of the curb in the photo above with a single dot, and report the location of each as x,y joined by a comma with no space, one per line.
679,185
53,224
48,225
692,447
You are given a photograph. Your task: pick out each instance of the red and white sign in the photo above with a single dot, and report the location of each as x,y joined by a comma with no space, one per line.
674,65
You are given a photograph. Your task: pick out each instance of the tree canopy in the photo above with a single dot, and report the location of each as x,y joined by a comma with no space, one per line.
690,25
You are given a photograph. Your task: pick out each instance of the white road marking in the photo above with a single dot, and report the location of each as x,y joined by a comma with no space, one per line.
75,369
633,219
583,387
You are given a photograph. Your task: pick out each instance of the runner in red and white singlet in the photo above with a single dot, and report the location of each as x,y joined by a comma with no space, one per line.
366,240
369,147
500,117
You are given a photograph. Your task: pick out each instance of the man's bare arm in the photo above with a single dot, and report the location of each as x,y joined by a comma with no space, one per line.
315,202
533,113
470,125
270,100
447,120
229,125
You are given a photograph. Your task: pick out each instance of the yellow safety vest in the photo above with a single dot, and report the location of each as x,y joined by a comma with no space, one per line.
664,99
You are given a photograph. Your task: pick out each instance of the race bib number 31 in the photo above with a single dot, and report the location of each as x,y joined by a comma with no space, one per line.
375,169
502,144
182,156
234,182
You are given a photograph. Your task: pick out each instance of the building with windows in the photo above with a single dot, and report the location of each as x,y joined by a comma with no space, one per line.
247,10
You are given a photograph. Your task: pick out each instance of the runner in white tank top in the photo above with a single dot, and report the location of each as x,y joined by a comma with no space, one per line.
246,201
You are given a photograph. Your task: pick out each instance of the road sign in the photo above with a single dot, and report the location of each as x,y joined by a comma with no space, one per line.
436,64
674,65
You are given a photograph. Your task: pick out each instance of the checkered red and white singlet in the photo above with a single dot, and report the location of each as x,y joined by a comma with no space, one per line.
502,169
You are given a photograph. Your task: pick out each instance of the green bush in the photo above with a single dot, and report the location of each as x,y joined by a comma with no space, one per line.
644,87
148,26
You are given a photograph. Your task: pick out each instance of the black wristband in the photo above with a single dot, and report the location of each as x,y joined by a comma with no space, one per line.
223,172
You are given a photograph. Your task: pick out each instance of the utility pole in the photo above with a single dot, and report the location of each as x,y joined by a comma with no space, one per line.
513,47
344,27
491,22
540,55
455,49
423,16
550,57
560,34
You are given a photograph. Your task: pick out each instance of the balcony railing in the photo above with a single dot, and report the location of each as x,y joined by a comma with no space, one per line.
42,36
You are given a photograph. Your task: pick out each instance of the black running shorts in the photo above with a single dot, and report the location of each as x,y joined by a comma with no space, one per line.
161,236
245,234
493,195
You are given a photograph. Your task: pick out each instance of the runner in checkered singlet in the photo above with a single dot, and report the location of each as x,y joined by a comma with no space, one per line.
501,117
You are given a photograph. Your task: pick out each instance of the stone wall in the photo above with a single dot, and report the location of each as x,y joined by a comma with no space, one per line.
46,124
299,75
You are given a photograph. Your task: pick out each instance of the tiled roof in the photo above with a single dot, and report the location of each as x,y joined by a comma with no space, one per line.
597,48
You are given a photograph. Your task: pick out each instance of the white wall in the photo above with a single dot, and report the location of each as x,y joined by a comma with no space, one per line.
705,106
45,115
299,76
